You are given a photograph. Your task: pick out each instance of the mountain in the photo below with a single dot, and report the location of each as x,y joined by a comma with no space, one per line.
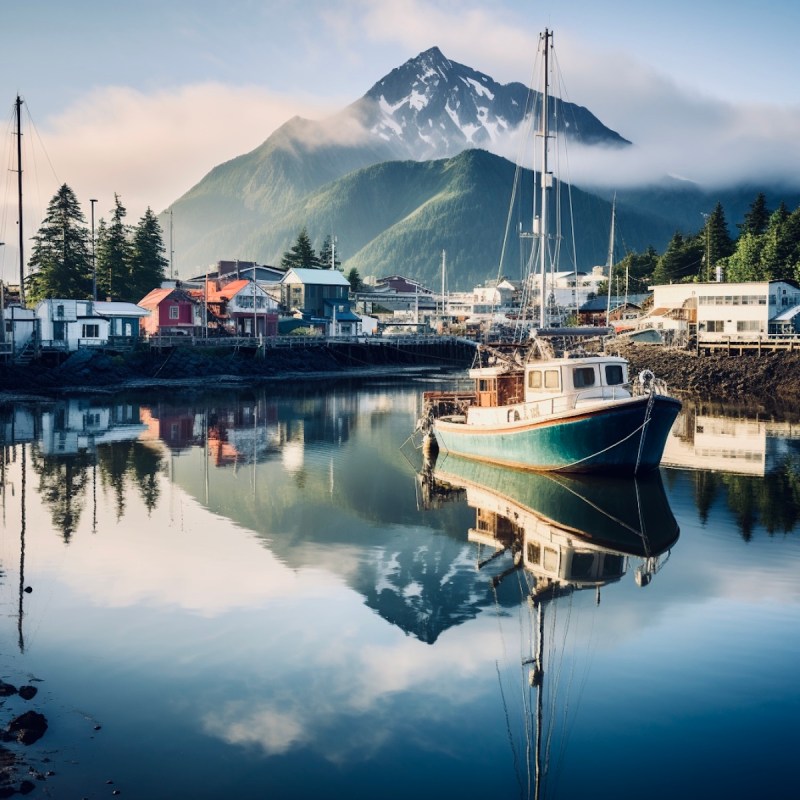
398,216
429,108
405,172
432,107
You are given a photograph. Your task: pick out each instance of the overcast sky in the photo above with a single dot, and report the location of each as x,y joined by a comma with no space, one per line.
144,98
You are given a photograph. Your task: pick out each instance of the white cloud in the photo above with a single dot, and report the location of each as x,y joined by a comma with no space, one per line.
151,148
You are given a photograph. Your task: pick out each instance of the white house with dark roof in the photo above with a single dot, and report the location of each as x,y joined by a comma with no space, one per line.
66,325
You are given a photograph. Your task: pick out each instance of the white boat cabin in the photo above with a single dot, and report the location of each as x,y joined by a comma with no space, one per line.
547,387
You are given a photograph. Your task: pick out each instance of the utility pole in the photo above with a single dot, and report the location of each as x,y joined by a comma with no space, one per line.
19,193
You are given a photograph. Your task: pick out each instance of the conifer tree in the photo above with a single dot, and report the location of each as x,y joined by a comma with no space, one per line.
781,245
355,281
60,262
114,255
717,242
680,261
148,264
328,256
757,218
301,254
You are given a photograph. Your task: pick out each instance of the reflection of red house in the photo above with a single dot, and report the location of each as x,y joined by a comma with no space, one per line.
176,429
240,307
171,311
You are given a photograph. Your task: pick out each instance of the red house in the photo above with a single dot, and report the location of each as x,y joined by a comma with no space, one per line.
171,311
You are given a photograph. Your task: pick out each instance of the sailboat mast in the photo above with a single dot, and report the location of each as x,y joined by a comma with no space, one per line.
547,37
610,259
18,105
444,267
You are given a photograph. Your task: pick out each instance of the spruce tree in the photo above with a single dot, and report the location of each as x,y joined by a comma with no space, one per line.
355,280
328,256
60,263
680,261
757,218
717,242
301,255
148,264
114,256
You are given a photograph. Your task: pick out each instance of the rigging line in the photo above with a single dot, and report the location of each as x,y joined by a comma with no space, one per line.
600,452
643,534
557,683
509,733
562,482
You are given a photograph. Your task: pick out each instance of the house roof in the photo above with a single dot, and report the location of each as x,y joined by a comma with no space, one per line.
788,315
157,296
318,277
108,308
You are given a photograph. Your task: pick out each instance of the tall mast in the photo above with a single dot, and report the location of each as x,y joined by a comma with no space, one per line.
610,260
19,193
444,262
547,38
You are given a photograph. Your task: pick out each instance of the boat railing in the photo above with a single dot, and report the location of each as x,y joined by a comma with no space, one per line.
568,402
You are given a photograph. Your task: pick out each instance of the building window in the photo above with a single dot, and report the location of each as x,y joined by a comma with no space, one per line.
90,331
715,326
174,312
748,326
60,311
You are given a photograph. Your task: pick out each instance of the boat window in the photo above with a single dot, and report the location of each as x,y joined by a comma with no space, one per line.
613,565
582,565
582,377
550,559
614,375
486,385
551,379
543,378
534,553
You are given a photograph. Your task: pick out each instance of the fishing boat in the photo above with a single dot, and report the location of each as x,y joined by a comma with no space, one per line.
546,401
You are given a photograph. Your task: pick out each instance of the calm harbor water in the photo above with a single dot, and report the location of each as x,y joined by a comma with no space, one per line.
261,595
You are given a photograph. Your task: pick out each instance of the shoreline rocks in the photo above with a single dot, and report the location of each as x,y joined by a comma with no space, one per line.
770,380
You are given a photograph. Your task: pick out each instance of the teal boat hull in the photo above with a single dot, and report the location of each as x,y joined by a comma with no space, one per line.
624,438
624,514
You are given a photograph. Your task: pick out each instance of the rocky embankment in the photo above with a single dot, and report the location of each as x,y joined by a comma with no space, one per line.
95,371
766,380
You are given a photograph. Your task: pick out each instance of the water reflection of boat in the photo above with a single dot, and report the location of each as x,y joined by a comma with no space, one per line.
564,534
567,529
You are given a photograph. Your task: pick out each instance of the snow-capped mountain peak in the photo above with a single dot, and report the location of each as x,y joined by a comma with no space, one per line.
432,107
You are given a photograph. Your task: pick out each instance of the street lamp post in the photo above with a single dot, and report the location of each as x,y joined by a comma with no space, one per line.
708,248
94,265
